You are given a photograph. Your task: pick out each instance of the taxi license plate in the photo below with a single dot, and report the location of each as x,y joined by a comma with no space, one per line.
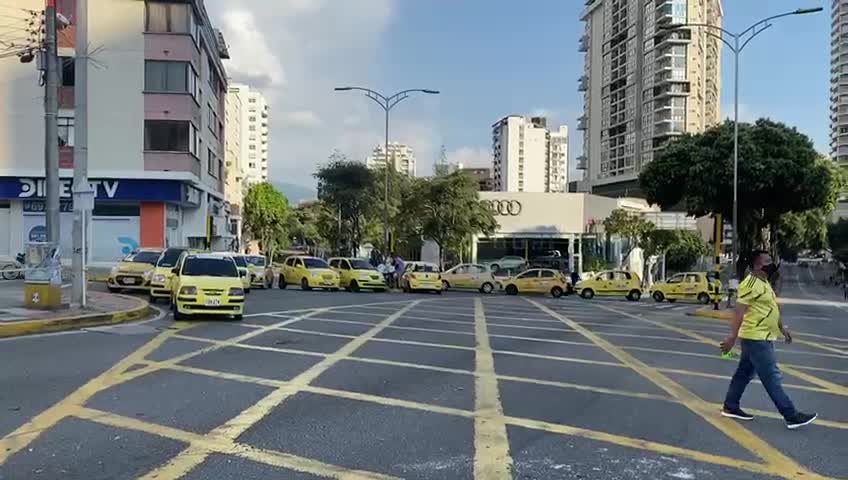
130,281
213,302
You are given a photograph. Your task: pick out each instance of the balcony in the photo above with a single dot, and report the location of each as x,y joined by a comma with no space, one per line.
582,123
583,44
583,83
582,162
171,162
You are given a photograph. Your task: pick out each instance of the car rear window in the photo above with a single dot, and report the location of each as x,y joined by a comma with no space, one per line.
426,268
315,263
144,257
170,257
359,264
211,267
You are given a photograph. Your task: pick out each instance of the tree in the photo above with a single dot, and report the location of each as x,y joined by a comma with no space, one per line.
630,226
347,188
801,231
302,226
779,172
265,214
837,237
447,210
684,249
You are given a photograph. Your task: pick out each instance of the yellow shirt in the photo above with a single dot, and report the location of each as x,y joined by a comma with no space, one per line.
762,317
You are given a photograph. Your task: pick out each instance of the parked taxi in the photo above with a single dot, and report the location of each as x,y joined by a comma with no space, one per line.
206,284
357,273
308,272
611,283
536,280
421,276
241,264
685,286
160,276
469,275
133,272
261,274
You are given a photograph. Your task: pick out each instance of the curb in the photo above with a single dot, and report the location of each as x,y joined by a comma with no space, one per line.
31,327
714,314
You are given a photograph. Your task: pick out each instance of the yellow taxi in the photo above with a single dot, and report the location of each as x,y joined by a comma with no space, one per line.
421,276
685,286
160,276
469,275
536,280
611,283
357,273
241,264
308,272
261,274
133,272
206,284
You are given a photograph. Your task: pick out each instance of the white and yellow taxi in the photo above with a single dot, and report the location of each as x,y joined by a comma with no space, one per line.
611,283
261,275
160,276
357,273
469,275
536,280
206,284
421,276
133,272
685,286
308,272
241,264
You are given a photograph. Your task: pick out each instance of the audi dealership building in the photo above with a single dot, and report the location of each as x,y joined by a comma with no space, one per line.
533,225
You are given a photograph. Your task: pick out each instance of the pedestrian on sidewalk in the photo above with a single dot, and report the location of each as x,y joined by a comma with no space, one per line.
757,323
845,290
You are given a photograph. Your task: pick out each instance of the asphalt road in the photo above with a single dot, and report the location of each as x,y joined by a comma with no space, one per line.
459,386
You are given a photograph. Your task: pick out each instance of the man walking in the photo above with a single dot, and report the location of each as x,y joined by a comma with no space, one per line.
757,323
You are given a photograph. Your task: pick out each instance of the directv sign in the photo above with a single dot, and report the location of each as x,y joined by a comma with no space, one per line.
109,189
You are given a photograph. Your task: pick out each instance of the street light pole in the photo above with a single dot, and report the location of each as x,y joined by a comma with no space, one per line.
387,104
744,37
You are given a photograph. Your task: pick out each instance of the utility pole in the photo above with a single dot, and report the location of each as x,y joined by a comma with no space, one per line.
82,192
51,129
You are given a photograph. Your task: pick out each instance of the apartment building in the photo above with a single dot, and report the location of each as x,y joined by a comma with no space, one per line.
483,177
234,183
644,84
527,157
402,156
254,115
156,104
839,93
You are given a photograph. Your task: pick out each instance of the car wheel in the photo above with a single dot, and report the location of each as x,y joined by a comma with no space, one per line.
379,290
671,300
704,298
238,318
439,292
556,292
304,284
177,314
658,297
445,285
281,282
634,295
587,293
511,290
487,288
354,287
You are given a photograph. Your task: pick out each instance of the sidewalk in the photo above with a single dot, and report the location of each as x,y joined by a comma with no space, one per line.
102,309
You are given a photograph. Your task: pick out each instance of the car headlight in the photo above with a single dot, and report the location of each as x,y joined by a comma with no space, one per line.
114,270
315,275
158,278
188,291
236,292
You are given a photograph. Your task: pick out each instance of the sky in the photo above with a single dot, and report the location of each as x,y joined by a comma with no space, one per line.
488,58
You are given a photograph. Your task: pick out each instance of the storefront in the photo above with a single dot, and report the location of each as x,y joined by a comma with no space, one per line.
557,230
128,214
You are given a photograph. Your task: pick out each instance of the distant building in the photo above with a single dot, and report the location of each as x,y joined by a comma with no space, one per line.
401,155
254,113
483,176
527,157
839,94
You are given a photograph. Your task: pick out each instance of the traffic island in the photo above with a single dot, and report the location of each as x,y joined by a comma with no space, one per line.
714,314
102,309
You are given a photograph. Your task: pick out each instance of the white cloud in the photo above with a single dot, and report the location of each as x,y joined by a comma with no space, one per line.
251,59
302,119
471,157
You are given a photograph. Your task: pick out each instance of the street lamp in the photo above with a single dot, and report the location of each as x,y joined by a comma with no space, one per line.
739,42
387,104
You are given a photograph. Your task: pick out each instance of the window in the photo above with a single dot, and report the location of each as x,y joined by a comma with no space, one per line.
251,165
251,147
530,274
220,168
209,267
66,131
212,120
251,100
173,77
68,71
343,265
161,17
214,79
252,128
315,263
171,136
251,119
212,164
547,274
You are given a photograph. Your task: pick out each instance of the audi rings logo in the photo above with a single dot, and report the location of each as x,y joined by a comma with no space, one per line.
504,208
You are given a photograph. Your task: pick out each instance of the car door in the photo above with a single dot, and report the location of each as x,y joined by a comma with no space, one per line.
547,279
692,286
674,286
606,284
478,274
526,282
345,272
460,277
290,270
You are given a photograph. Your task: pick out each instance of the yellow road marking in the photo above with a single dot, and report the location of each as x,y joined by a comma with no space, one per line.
789,369
491,445
224,446
192,456
825,347
774,458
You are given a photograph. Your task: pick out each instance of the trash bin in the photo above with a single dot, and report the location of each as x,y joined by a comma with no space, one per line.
43,276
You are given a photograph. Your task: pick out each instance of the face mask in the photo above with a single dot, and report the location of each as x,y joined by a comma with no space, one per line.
771,269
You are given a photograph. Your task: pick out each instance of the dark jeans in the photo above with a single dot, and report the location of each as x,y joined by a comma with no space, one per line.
758,357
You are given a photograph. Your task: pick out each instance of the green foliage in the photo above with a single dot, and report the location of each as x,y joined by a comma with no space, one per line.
265,217
302,226
837,236
684,249
779,172
801,231
446,209
630,226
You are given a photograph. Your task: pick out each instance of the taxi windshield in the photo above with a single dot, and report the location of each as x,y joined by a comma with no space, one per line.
143,257
360,264
256,260
315,263
170,257
239,261
209,267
